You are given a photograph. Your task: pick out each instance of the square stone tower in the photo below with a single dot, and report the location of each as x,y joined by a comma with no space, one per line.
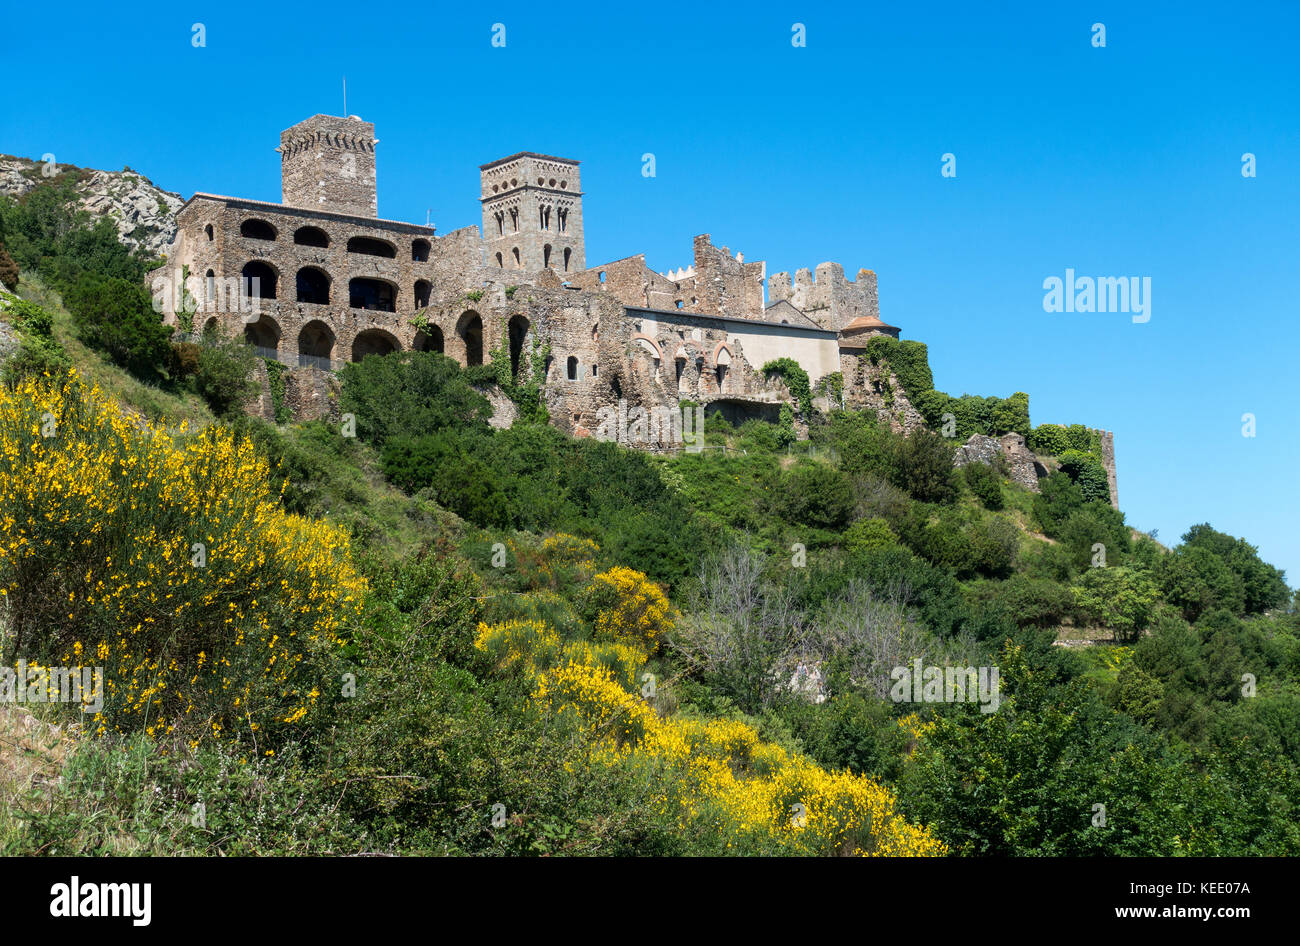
328,163
532,213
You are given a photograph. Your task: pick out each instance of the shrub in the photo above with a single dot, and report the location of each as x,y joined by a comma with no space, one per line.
166,560
1086,471
813,494
223,378
795,378
922,465
623,605
867,535
445,462
185,359
984,484
8,270
39,353
410,394
116,316
1118,598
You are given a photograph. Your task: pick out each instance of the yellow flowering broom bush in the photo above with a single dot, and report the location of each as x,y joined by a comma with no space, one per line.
718,776
165,558
625,605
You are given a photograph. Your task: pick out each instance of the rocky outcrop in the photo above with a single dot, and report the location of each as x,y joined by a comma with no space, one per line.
144,215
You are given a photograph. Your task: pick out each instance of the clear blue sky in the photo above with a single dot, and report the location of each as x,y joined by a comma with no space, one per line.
1117,161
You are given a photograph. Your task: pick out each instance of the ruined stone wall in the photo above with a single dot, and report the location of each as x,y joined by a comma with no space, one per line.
723,284
1108,462
829,297
876,388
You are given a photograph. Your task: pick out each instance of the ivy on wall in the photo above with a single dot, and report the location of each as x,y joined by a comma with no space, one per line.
796,379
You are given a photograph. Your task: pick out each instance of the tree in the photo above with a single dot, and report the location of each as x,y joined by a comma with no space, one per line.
223,375
117,317
922,465
1118,598
410,394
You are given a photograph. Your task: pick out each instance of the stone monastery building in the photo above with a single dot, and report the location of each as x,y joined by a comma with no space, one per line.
330,282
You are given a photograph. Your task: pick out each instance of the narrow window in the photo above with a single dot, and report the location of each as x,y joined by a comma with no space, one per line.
573,368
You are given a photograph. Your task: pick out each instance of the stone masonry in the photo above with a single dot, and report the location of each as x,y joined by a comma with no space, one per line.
320,279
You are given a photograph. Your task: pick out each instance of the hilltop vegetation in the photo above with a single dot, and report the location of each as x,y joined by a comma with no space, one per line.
440,637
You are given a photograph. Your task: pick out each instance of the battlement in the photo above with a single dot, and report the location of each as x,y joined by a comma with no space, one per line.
829,298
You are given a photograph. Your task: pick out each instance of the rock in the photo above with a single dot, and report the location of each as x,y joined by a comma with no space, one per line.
978,449
144,215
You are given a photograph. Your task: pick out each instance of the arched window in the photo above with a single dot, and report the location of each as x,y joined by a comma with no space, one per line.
514,218
315,345
500,218
500,262
422,289
517,330
518,264
257,230
313,286
470,331
420,251
546,256
368,246
723,364
567,251
562,218
373,294
680,304
374,341
264,335
311,236
209,231
258,281
428,338
572,370
210,288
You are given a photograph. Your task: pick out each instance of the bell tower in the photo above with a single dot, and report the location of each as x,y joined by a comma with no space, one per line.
532,213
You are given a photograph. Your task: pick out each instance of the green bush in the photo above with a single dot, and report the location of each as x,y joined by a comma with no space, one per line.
867,535
922,465
410,394
985,484
223,378
117,317
1087,472
813,494
1118,598
795,378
